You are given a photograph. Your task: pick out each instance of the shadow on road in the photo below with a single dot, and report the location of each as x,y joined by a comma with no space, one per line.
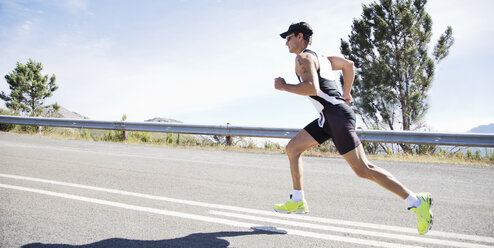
192,240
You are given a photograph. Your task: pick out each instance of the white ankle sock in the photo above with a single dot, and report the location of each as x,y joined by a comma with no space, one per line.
297,195
413,200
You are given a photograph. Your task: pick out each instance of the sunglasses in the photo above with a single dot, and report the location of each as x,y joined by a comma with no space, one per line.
289,37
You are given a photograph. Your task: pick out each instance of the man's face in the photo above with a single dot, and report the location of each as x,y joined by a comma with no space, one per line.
290,41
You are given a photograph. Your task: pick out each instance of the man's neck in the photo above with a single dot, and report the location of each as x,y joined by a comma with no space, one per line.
302,49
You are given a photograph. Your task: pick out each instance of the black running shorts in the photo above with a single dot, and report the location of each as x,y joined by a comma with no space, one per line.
338,123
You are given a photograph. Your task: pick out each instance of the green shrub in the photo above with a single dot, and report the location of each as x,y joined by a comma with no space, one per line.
271,145
6,127
144,137
251,144
27,129
327,146
423,149
84,134
169,138
158,141
370,148
114,136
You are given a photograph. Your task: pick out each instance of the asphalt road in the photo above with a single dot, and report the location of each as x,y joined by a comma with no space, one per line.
59,193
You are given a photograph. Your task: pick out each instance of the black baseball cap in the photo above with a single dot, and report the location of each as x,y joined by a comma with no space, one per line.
301,27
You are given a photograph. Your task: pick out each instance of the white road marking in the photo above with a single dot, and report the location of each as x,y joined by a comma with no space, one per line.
352,231
208,219
432,233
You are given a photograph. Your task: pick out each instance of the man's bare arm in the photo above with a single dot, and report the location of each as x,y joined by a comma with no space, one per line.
345,65
306,70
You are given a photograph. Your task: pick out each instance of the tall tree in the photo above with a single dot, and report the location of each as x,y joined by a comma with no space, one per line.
394,70
29,89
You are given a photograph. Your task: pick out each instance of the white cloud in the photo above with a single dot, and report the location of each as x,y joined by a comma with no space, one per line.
74,6
26,26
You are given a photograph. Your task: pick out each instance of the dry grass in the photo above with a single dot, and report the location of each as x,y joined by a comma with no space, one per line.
428,158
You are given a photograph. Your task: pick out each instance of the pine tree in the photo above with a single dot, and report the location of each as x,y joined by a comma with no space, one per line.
29,89
394,70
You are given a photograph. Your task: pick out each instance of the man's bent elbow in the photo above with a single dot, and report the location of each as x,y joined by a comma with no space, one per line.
349,64
309,89
313,92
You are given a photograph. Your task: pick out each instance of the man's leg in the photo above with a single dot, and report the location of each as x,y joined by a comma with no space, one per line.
363,168
296,204
297,145
419,203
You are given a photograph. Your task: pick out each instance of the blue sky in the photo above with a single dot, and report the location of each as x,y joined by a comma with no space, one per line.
213,62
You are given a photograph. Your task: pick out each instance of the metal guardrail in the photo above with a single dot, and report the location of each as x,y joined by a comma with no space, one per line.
401,137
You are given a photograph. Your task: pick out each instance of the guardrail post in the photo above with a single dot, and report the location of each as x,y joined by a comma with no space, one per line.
228,137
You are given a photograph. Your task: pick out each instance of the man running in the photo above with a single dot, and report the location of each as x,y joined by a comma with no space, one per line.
336,121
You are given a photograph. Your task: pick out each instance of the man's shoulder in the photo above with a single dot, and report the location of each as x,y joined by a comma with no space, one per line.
306,56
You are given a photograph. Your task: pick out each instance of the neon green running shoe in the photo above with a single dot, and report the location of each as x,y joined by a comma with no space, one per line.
292,207
424,213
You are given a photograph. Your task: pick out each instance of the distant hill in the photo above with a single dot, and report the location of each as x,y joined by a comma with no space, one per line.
65,113
159,119
483,129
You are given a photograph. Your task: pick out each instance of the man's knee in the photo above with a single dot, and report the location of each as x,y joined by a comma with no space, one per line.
365,172
293,150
